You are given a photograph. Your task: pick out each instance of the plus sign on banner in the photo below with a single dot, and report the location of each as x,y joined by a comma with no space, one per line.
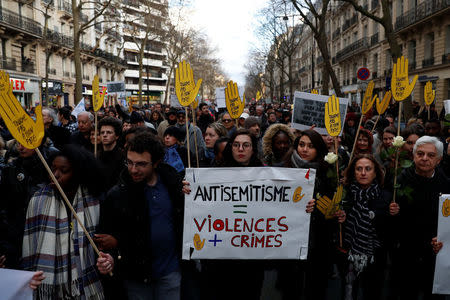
363,74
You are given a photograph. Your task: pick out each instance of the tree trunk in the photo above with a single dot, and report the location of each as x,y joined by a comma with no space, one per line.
169,81
141,62
291,80
77,52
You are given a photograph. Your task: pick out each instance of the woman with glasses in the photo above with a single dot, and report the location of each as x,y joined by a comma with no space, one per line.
229,123
308,152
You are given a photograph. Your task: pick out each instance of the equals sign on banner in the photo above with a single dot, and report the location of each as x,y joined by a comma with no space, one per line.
238,209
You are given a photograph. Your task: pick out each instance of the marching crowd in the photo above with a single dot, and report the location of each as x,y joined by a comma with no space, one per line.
129,194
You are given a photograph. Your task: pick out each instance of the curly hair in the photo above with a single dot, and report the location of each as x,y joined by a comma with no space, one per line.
113,122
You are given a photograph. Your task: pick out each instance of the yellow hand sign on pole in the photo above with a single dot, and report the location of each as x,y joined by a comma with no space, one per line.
26,131
429,93
400,86
314,91
97,96
333,116
383,105
198,242
258,95
185,86
235,106
328,207
368,100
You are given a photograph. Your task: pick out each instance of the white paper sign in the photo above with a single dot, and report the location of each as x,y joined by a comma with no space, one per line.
441,284
309,109
174,101
220,96
79,108
15,284
247,213
447,106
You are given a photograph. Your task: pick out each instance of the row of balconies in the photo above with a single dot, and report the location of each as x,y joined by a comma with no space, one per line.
13,19
421,11
25,65
352,49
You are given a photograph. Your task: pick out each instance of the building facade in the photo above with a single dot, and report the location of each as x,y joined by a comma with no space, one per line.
32,49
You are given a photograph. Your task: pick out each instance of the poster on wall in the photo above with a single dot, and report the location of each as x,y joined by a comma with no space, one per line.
247,213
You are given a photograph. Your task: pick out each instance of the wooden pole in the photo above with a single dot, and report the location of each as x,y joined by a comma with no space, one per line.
66,200
95,132
375,125
396,154
194,116
187,138
336,148
356,138
428,107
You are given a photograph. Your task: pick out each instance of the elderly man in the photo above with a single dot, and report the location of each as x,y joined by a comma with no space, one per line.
82,135
417,215
58,135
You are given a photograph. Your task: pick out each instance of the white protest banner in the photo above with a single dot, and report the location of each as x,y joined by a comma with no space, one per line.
15,284
247,213
447,106
309,109
79,108
442,270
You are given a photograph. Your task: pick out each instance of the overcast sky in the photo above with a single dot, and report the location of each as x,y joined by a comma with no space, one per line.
230,25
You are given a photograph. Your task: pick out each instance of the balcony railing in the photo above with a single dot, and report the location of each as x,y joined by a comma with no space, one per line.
352,49
8,63
348,23
51,71
421,11
65,6
12,19
374,4
336,33
427,62
374,39
446,58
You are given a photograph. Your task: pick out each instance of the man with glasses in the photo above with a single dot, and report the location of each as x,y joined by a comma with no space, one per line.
194,133
143,214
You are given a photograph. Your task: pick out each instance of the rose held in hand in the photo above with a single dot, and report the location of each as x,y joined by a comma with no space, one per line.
398,142
331,158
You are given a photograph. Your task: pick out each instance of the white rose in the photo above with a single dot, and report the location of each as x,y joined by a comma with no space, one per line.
398,141
331,158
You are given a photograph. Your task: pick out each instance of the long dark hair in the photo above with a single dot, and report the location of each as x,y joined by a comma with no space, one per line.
349,173
229,161
318,143
87,170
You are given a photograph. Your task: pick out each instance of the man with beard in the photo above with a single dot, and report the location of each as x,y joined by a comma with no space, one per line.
205,117
171,119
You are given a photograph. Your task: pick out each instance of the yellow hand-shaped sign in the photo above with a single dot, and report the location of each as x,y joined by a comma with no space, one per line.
446,208
429,93
97,96
198,243
314,91
333,116
367,99
27,132
234,104
383,105
328,207
185,86
258,95
400,86
297,195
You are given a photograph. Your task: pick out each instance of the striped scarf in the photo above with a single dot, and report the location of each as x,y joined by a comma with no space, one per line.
359,230
50,240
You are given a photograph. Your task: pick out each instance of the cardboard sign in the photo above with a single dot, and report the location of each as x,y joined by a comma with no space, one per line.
309,109
258,95
368,101
328,207
442,270
332,116
429,93
185,86
97,96
235,105
15,284
314,91
247,213
22,127
400,86
383,104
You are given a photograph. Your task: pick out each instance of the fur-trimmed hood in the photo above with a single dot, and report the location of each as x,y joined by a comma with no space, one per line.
270,133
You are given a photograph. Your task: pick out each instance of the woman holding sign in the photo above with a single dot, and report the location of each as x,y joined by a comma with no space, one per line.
53,240
364,229
308,151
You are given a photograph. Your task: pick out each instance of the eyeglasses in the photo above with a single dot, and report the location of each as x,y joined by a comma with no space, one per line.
226,120
244,146
138,164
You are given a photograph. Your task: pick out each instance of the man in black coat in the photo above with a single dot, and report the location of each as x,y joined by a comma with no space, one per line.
142,218
417,215
205,117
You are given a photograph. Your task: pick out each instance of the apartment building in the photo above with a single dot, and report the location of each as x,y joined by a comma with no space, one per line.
355,41
154,77
26,41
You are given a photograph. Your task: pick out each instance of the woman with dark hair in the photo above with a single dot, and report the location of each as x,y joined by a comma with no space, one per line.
241,150
350,128
156,118
382,153
308,151
54,240
363,143
214,131
276,143
365,227
410,135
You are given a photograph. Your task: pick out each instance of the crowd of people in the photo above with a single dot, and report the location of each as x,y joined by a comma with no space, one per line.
129,194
